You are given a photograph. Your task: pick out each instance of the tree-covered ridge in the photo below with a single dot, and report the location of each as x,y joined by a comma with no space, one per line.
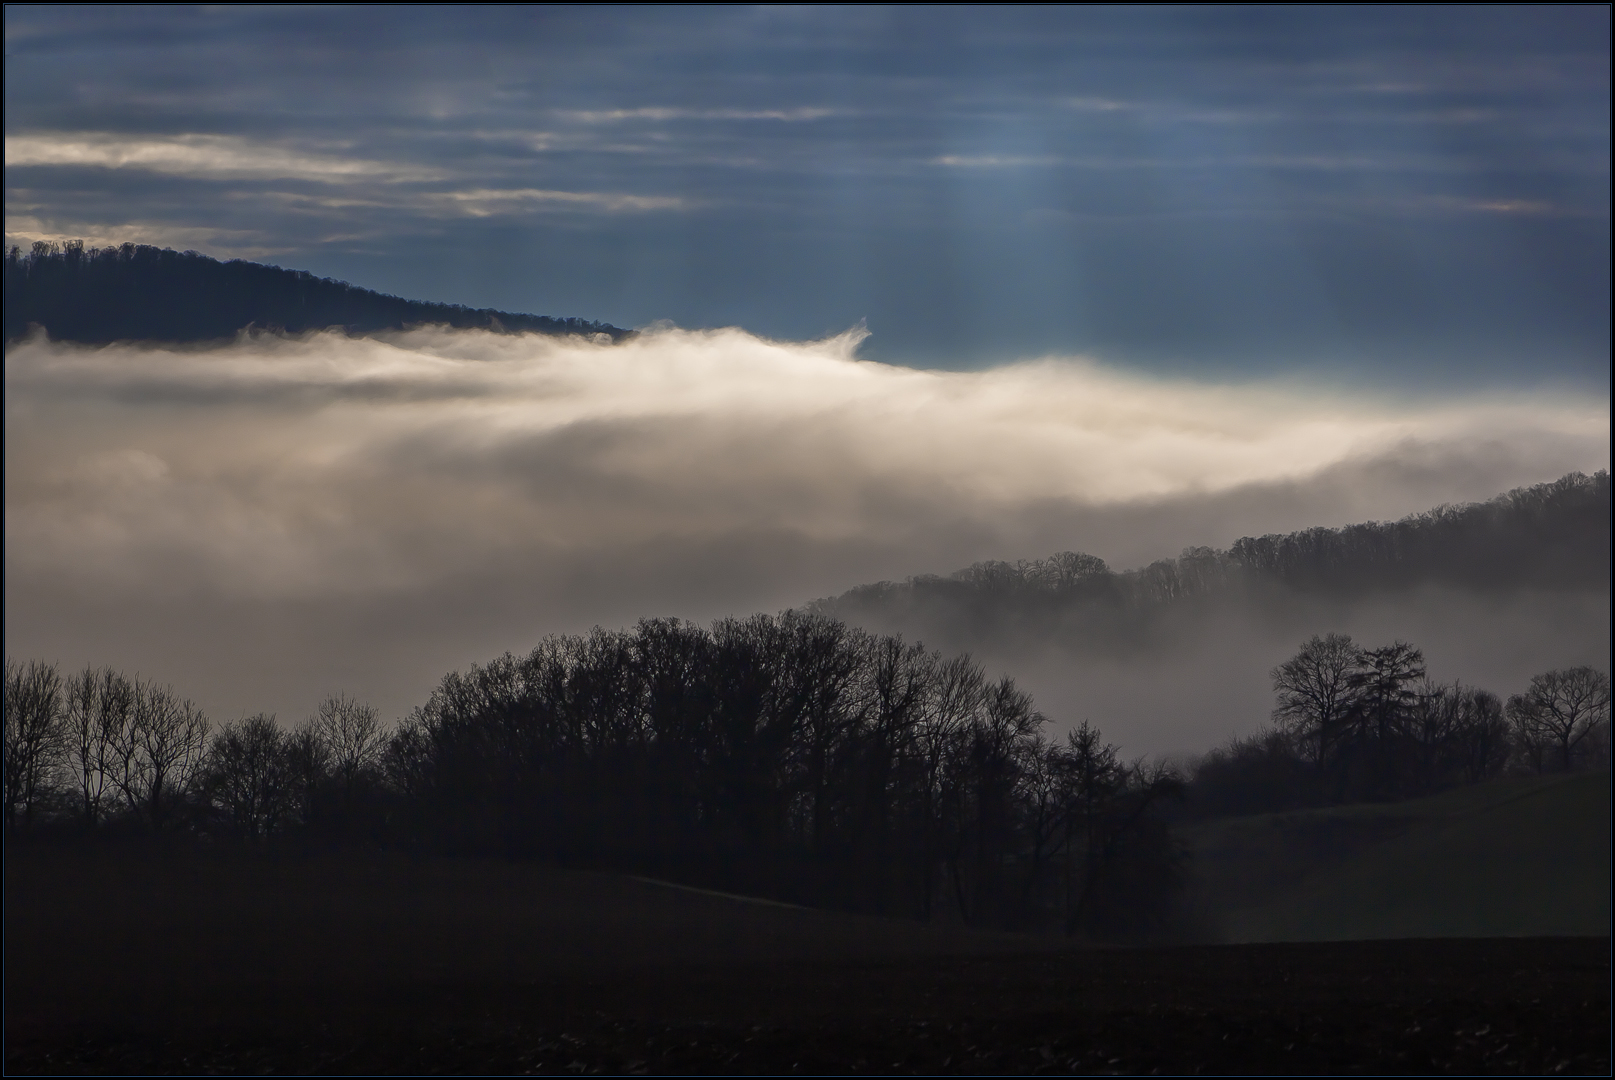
142,293
789,756
1554,535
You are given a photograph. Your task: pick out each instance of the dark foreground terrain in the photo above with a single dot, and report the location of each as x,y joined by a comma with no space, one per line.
1515,857
164,962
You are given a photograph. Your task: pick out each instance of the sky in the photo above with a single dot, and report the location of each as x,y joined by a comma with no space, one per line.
916,288
1418,195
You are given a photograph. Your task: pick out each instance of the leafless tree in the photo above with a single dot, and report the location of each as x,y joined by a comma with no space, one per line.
1316,690
989,772
353,740
249,776
1480,734
793,755
100,706
1129,877
1065,571
1562,708
1382,708
308,757
33,710
1093,774
1041,791
818,688
1527,741
408,761
956,696
1432,723
157,755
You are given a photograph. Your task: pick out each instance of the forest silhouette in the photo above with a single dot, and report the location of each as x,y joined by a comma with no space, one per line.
1554,535
798,756
801,758
141,293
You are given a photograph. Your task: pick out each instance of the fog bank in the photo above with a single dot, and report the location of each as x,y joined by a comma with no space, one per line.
268,521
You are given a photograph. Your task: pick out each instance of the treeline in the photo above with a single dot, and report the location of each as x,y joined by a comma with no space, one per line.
1552,535
142,293
96,751
792,757
1354,724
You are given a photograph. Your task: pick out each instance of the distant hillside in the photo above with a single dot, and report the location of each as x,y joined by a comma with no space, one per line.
1553,535
142,293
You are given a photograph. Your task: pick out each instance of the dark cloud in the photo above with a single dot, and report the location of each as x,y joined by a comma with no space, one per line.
1414,195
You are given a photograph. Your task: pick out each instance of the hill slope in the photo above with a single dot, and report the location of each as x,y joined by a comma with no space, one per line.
1174,657
1512,858
1554,535
141,293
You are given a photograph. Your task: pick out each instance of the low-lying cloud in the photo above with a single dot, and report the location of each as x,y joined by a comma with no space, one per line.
268,521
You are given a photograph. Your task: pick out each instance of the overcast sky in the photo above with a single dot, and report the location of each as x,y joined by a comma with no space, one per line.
1418,195
1134,279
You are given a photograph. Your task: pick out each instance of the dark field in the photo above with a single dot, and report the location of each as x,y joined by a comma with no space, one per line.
158,962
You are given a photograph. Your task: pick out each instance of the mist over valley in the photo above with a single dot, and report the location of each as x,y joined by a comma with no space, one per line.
1492,592
276,515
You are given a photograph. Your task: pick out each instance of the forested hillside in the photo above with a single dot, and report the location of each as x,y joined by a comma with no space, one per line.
791,757
1554,535
142,293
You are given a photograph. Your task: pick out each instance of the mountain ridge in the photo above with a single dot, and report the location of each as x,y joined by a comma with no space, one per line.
138,292
1552,535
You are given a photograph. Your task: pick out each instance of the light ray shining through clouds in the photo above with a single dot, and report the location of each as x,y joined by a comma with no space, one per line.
1404,197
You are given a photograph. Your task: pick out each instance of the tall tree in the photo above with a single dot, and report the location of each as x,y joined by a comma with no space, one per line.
1316,690
352,736
1093,775
1480,735
1386,695
158,753
34,736
248,776
1563,708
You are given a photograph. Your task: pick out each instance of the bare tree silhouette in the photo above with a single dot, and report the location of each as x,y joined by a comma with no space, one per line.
1563,708
34,745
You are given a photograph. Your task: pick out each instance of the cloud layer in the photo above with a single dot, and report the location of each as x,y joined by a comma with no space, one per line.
260,521
1410,196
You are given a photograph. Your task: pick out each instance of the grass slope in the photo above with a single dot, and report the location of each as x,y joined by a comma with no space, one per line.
1506,859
